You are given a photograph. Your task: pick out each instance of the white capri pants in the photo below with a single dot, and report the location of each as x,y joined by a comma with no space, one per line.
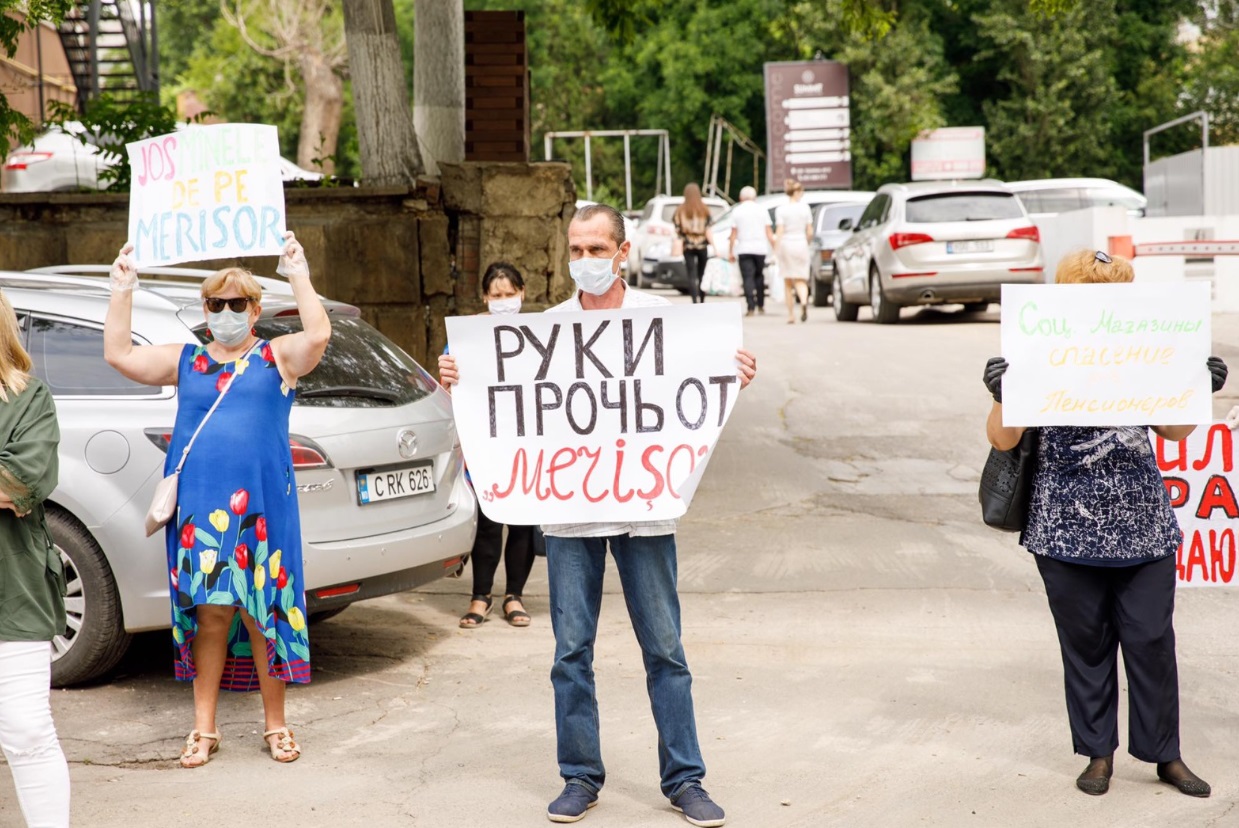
28,735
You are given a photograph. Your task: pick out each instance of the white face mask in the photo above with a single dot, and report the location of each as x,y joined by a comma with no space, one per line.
504,307
228,327
594,276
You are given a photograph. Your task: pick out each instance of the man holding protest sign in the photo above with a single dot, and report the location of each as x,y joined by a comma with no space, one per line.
644,550
1100,524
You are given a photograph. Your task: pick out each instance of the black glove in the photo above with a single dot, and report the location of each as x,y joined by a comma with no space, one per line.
1218,370
994,369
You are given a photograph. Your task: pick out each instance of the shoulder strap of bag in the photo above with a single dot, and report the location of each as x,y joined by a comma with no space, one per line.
218,400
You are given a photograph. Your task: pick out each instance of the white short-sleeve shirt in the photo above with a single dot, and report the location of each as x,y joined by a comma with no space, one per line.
633,298
750,220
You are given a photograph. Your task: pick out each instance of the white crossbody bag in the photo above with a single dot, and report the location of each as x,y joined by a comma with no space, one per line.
163,503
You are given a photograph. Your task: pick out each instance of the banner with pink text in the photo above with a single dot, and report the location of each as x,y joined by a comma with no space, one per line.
593,416
206,192
1200,477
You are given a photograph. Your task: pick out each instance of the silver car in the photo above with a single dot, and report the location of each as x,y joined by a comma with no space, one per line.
935,242
832,224
367,412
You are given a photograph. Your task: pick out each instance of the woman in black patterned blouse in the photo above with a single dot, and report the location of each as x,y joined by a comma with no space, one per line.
1104,536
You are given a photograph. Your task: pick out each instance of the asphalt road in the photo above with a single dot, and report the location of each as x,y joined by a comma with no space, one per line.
865,652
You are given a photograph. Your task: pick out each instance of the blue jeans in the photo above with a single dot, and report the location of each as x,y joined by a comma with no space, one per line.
647,570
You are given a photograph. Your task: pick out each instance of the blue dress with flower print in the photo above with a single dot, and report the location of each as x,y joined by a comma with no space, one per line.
236,537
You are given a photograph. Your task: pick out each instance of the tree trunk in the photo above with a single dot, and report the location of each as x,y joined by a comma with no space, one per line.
320,122
439,80
389,150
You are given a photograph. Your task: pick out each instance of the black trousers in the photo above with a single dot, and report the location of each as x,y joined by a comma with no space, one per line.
1097,610
695,264
751,267
518,556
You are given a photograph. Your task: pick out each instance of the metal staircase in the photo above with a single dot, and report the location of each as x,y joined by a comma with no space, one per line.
111,47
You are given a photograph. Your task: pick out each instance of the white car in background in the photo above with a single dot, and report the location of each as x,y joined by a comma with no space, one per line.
1051,196
58,161
651,243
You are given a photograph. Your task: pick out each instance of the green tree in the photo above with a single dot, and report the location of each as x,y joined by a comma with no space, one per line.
1211,76
1053,117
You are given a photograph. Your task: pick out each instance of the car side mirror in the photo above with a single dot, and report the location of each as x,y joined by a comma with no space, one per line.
845,224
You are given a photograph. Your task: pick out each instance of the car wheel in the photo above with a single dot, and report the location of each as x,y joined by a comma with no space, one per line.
885,312
821,294
976,307
845,311
96,639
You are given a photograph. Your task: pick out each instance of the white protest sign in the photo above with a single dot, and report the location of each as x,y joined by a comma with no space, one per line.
1200,478
206,192
1107,355
593,416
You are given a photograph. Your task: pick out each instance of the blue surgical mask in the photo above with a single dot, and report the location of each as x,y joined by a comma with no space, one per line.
504,307
228,327
594,276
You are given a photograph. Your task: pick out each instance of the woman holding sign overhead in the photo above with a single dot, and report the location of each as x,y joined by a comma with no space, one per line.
1104,536
234,544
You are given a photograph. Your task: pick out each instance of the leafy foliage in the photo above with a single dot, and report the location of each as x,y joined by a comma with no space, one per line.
110,124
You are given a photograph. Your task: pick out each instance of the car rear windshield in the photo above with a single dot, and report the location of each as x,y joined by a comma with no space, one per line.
963,207
361,368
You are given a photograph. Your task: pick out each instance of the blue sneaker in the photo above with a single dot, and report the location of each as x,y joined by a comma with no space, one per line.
572,804
698,808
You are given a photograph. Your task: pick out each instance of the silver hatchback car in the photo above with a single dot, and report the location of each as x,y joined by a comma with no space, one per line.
366,413
935,242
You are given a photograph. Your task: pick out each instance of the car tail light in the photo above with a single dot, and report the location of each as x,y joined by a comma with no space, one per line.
337,591
306,453
1031,233
21,160
899,240
826,254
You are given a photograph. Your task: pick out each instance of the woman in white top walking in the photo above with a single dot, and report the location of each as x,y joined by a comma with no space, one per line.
794,229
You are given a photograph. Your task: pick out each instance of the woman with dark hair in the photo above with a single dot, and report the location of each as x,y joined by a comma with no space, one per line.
503,290
692,225
1104,536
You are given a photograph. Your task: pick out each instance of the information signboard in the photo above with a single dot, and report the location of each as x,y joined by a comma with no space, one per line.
808,125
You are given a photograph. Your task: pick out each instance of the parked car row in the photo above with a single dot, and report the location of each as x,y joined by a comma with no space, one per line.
368,407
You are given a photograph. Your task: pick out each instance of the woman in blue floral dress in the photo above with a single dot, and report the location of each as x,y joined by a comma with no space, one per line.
1104,536
235,541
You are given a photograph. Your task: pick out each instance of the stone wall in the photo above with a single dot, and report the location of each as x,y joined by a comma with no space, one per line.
406,257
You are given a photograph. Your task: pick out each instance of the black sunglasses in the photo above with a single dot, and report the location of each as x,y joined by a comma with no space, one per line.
1103,257
237,305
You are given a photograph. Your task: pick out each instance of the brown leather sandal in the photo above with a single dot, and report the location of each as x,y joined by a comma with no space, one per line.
192,749
284,745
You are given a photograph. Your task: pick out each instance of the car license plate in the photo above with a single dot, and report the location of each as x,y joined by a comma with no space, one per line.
390,484
980,246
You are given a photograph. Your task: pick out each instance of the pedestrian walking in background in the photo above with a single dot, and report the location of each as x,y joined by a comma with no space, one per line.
792,235
752,237
1104,536
235,540
503,289
32,609
692,226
